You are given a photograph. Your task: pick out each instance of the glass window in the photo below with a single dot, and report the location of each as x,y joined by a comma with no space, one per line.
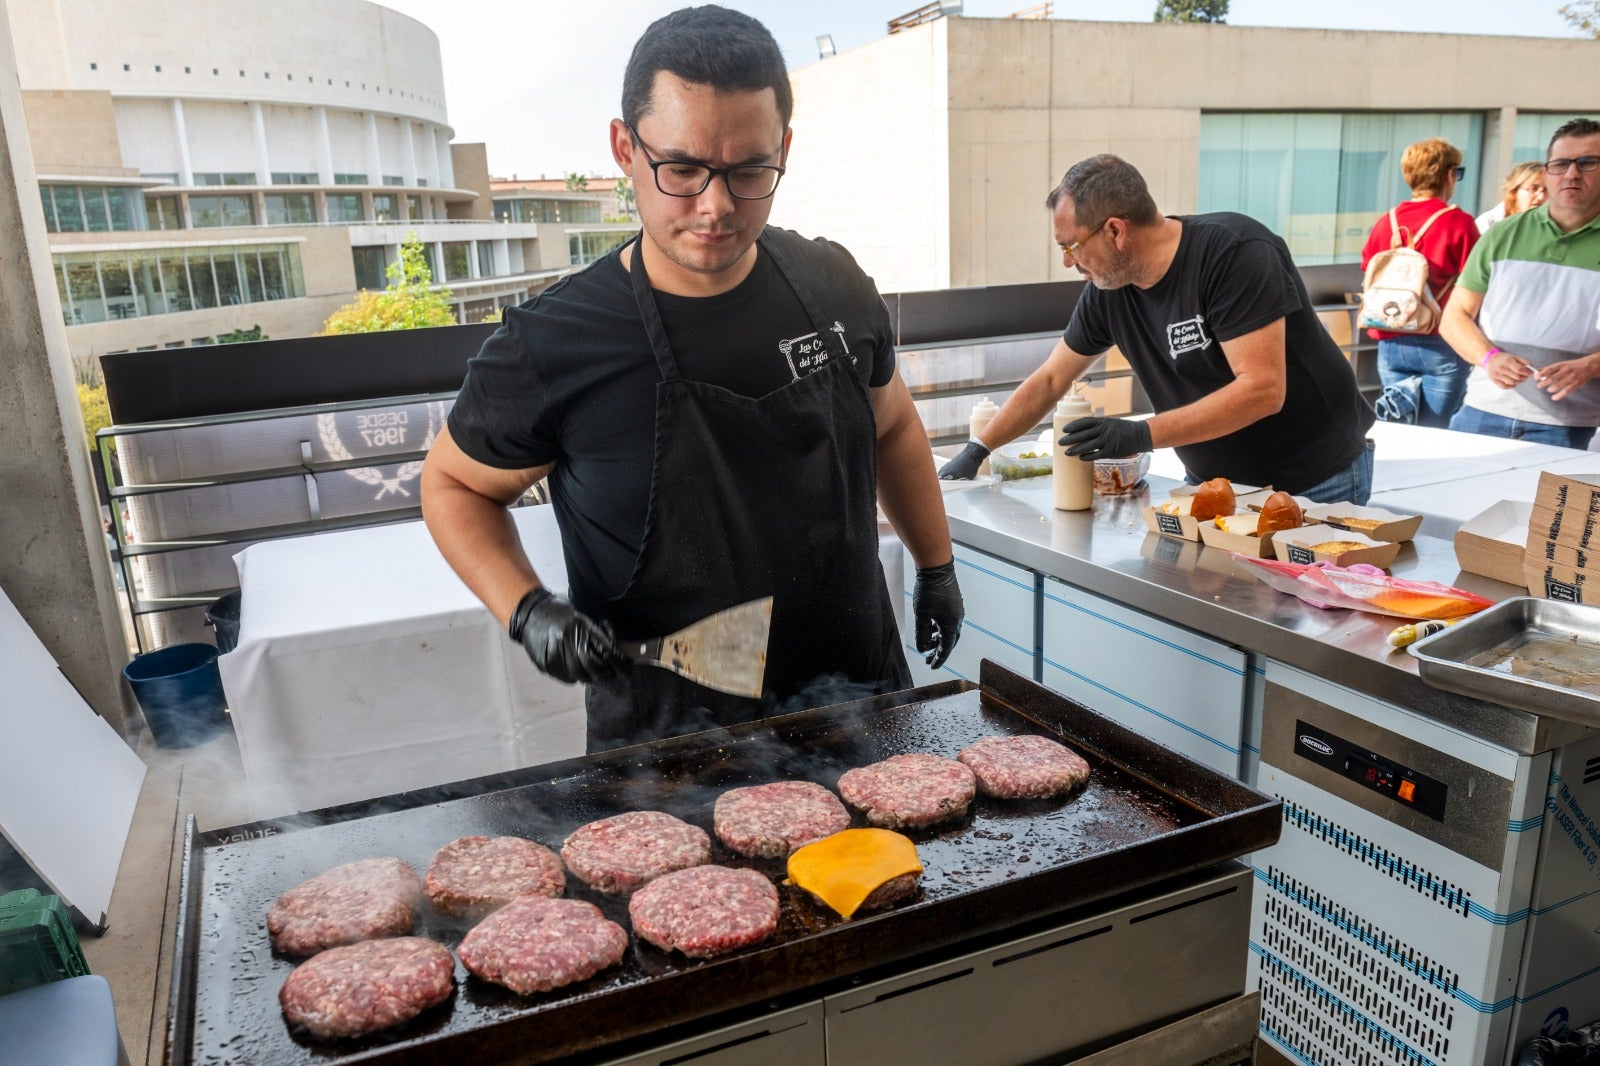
414,207
94,209
117,285
238,210
485,259
69,210
384,208
145,269
370,263
175,282
48,200
250,275
202,283
162,212
344,208
83,284
393,179
457,263
584,248
205,211
293,177
349,179
1534,130
271,274
290,209
227,177
1321,180
60,271
119,210
422,183
226,272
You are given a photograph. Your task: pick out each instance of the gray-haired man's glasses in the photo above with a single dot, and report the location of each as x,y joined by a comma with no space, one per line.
749,181
1584,163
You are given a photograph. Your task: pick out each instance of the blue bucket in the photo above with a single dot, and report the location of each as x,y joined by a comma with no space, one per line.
180,692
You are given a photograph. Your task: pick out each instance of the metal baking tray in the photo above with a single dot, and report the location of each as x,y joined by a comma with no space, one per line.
1537,655
1146,815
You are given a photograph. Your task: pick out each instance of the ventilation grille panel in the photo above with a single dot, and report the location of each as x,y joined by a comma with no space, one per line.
1443,892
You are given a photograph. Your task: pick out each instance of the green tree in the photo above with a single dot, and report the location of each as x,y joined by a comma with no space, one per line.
409,301
577,182
625,197
96,411
492,316
240,336
1192,11
1583,16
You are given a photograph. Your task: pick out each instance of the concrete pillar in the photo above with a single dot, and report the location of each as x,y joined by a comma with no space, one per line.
1499,154
258,122
180,133
374,152
408,155
53,561
324,149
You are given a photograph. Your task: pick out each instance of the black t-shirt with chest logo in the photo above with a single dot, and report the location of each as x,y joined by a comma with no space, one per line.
1232,276
569,378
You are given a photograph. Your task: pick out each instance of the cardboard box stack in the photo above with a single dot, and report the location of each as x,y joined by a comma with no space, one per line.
1561,559
1491,543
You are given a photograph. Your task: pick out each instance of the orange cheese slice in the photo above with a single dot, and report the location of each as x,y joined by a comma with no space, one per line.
844,869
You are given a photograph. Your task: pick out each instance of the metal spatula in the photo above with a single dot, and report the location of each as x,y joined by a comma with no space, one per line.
726,651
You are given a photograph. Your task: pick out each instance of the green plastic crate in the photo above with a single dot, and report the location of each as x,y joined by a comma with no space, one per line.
37,941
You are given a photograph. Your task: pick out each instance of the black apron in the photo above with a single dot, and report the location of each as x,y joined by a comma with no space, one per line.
773,496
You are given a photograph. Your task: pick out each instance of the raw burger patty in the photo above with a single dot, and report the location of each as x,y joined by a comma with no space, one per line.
620,853
478,873
535,944
1025,767
705,911
770,821
909,791
361,900
361,988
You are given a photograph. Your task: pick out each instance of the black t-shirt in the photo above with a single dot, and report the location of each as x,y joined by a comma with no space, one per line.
569,378
1232,276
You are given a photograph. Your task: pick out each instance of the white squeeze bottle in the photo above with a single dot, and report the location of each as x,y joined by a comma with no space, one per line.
1072,478
982,412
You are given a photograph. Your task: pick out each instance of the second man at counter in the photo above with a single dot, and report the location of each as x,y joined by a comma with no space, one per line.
1214,319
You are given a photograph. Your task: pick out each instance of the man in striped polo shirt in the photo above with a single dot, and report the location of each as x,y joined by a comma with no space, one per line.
1526,311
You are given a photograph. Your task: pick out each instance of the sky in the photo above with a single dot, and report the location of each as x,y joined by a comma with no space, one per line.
539,81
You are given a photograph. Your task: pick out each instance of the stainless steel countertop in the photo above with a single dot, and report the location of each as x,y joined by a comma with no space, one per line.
1108,551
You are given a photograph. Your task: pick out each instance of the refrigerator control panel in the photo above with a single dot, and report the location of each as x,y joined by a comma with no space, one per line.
1405,786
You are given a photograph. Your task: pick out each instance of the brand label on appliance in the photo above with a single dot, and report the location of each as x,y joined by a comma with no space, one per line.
1169,523
1560,590
1300,554
1316,745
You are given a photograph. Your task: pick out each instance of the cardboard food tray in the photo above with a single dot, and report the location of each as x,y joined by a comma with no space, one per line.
1537,655
1299,546
1240,536
1490,544
1391,527
1185,527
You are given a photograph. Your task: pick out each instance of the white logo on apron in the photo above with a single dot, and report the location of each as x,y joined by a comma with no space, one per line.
1187,336
806,354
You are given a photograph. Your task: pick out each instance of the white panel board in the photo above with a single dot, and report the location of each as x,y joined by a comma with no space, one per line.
68,783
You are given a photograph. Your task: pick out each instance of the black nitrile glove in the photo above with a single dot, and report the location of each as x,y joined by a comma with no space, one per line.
936,602
567,645
1105,438
964,467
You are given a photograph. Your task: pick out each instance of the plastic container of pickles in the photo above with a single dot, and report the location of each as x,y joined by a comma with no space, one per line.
1012,462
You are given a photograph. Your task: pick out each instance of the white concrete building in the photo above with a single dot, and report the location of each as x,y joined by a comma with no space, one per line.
210,165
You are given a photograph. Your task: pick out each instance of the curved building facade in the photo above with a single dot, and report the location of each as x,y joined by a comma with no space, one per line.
207,166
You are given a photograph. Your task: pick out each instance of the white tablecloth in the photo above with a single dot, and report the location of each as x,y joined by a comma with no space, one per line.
365,668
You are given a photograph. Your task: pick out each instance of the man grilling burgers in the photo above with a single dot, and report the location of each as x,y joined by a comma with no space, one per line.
717,407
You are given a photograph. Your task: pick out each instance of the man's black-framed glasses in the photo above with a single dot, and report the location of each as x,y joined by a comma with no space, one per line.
1584,163
748,181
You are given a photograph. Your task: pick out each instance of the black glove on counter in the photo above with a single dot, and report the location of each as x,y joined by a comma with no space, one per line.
964,467
1106,438
567,645
936,602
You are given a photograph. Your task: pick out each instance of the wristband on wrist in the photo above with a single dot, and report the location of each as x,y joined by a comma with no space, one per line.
1488,355
979,443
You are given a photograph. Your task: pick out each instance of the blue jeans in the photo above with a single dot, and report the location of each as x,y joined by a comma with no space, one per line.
1472,420
1353,484
1443,374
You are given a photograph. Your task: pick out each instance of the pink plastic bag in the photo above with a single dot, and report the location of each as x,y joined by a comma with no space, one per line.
1363,588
